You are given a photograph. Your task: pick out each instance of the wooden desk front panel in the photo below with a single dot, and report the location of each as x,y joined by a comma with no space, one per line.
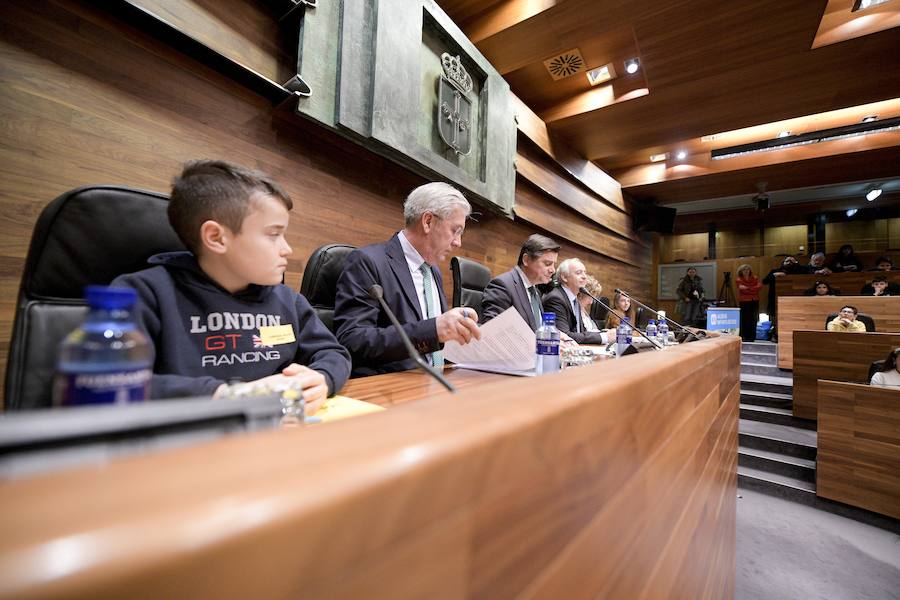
810,313
616,480
858,460
836,356
849,284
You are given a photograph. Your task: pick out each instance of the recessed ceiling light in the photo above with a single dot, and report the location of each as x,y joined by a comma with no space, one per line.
659,157
632,65
784,133
864,4
851,212
873,194
681,155
601,74
869,118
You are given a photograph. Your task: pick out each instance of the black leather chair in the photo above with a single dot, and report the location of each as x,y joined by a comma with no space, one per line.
86,236
866,320
876,367
469,280
319,284
598,311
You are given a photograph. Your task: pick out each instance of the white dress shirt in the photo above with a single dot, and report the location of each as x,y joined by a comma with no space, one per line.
414,261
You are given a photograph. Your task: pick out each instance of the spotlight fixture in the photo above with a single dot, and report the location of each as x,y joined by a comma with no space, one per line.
873,193
681,155
869,118
783,134
659,157
632,65
851,212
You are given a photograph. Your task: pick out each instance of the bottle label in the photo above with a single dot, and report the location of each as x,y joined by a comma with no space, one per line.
548,347
116,387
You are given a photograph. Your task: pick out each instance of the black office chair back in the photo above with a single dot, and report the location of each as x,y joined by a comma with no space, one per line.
599,312
876,367
865,319
86,236
319,284
469,280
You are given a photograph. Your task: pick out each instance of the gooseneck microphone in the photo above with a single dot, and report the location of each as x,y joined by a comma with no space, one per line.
681,328
582,290
377,293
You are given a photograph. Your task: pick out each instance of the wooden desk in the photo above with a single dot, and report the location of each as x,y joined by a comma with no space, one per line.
848,283
835,356
808,312
396,388
616,480
858,459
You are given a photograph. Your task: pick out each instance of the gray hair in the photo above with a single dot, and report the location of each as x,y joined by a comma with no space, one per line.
564,266
813,257
437,198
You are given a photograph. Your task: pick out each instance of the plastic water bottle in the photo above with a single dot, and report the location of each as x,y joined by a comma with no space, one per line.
621,338
650,332
107,360
626,321
663,332
547,359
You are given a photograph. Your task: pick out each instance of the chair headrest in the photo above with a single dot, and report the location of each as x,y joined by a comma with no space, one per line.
472,274
93,234
325,266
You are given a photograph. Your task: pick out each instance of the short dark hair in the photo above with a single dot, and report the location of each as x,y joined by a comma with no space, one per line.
884,259
219,191
878,278
535,245
853,308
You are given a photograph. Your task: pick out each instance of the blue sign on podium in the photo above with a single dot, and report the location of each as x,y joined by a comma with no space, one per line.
723,319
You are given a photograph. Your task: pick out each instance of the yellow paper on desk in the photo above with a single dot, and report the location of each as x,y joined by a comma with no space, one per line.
342,407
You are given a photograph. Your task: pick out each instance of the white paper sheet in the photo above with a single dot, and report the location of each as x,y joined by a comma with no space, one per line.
506,346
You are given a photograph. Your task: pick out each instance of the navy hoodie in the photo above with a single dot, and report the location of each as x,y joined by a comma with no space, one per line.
204,336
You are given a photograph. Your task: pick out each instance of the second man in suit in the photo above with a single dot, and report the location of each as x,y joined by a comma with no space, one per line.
518,286
406,267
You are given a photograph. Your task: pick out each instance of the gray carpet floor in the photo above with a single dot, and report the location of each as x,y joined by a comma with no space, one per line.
788,551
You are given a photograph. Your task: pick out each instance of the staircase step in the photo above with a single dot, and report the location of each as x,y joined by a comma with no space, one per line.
767,383
780,464
766,347
759,358
773,399
792,441
777,415
752,368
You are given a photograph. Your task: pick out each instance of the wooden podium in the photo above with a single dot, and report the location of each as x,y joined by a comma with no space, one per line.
616,480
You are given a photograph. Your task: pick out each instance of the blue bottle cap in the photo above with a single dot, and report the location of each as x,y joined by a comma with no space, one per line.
548,316
103,297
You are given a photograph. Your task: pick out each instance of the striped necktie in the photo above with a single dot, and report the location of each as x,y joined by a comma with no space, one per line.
535,307
436,358
579,327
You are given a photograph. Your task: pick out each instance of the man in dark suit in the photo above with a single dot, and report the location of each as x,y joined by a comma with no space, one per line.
405,267
563,301
517,287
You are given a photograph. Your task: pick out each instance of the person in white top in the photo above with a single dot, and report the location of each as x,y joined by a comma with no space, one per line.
889,376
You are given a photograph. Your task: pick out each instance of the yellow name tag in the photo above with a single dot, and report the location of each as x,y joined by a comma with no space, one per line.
276,334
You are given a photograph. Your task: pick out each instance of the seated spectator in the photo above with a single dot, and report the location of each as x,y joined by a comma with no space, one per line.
816,265
593,286
622,304
846,321
883,263
822,288
845,261
879,286
889,376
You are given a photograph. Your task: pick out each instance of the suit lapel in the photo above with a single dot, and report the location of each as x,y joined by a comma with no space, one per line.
439,284
524,300
397,260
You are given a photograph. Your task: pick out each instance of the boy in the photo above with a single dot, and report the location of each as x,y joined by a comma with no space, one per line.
219,312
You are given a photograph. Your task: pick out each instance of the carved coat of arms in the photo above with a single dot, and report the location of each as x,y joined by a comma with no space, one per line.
454,106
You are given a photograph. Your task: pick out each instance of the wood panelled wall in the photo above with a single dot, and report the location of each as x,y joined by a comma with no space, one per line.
87,99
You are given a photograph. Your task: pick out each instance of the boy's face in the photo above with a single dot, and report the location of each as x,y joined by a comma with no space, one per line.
258,254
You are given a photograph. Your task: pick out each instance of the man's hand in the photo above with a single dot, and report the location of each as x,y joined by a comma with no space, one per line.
779,274
824,271
459,325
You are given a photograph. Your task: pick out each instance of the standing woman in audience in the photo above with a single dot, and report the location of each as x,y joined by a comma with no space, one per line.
889,375
622,304
748,296
691,294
